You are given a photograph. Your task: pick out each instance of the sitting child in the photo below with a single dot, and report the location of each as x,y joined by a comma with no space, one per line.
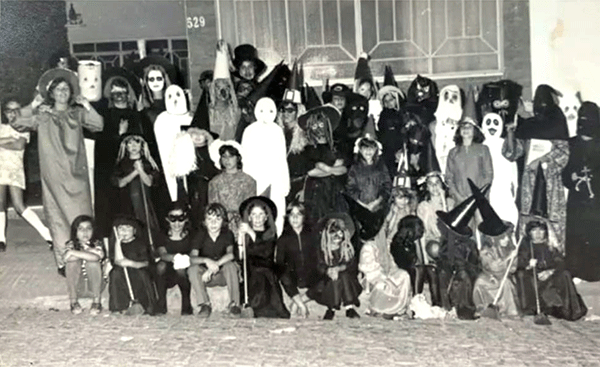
212,261
177,242
84,250
130,278
338,267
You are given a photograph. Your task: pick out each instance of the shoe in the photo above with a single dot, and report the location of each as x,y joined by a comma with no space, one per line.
185,311
76,308
235,310
352,314
205,311
95,309
62,272
2,246
329,314
50,245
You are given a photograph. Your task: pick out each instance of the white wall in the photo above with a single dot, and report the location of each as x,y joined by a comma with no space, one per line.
113,20
565,45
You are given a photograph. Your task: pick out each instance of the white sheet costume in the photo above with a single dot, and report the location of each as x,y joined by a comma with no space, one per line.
265,160
504,185
166,129
447,117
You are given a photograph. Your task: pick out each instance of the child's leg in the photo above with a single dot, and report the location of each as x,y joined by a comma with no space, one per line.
195,276
73,273
2,213
16,195
419,278
94,273
434,285
161,286
230,272
185,289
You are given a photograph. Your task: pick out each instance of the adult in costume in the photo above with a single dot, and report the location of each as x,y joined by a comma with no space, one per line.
447,117
63,164
422,98
582,177
543,141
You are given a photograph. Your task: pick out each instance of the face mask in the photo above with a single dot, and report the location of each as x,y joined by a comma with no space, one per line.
90,80
175,100
450,104
265,110
492,126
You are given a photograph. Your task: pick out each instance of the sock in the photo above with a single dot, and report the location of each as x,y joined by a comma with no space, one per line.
2,226
32,218
347,307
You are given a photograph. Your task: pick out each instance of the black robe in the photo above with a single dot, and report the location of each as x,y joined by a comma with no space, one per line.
198,185
582,246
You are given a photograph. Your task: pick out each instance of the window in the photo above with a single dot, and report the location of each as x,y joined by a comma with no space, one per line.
434,37
116,54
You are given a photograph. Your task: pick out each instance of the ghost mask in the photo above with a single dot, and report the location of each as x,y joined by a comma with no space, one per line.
492,126
90,79
569,104
450,104
265,110
175,100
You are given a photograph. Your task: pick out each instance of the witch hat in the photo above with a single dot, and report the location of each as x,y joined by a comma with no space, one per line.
292,92
312,99
539,200
221,70
492,225
201,115
469,110
458,218
431,162
262,88
369,222
363,72
388,77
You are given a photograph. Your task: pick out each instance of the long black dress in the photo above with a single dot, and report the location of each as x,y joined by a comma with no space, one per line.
582,245
323,195
558,296
264,293
198,185
106,151
141,280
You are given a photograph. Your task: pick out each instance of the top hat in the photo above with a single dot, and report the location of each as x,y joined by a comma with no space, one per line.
263,199
248,52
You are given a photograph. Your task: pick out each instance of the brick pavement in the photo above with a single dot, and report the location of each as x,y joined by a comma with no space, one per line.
37,330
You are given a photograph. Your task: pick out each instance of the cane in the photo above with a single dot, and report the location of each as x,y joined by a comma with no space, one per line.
147,216
247,311
540,318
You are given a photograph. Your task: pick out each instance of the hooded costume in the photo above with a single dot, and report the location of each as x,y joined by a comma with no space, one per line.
542,139
354,124
503,192
582,177
422,98
267,163
447,117
502,98
224,113
569,104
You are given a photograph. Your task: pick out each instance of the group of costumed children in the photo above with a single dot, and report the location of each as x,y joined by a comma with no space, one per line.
373,192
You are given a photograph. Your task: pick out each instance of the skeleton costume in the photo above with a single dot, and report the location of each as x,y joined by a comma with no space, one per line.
447,117
503,192
582,177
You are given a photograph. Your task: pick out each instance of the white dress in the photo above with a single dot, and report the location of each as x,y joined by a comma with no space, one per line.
12,172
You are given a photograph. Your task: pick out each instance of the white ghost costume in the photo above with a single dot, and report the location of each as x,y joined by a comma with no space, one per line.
265,160
90,83
447,117
569,103
167,128
503,191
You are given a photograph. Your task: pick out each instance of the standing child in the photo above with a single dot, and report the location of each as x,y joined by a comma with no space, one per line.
134,174
12,173
130,259
84,249
338,266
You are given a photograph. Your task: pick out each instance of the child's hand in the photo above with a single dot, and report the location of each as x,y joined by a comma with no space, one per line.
137,165
206,276
116,234
333,273
212,266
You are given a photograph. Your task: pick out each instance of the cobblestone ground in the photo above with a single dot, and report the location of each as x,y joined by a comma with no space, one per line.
34,337
36,329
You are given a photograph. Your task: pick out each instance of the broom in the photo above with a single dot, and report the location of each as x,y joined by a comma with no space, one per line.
492,311
135,308
539,318
247,311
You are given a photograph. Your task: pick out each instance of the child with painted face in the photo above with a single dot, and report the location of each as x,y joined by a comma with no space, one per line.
212,261
134,175
297,255
338,267
131,258
84,249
